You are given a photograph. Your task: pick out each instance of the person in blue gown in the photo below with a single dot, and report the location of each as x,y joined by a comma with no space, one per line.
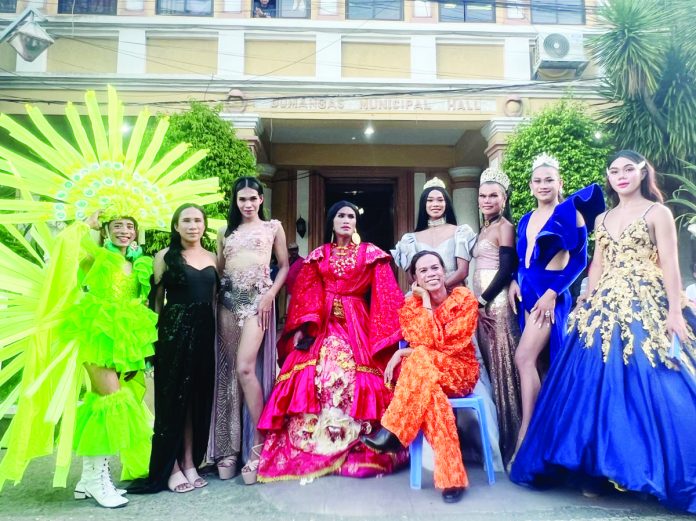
620,401
552,252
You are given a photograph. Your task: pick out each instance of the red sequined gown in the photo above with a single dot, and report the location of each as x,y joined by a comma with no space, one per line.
327,396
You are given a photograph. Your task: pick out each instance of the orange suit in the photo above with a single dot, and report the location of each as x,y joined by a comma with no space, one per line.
443,363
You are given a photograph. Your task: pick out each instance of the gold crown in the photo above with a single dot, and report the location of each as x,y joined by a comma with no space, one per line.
434,182
493,175
545,159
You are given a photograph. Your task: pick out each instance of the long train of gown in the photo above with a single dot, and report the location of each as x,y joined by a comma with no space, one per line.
184,367
498,348
618,402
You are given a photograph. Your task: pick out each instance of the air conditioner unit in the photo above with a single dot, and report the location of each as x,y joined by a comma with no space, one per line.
559,51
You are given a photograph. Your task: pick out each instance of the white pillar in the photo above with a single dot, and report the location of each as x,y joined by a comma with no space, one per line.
517,59
423,58
329,58
302,198
230,54
132,51
465,199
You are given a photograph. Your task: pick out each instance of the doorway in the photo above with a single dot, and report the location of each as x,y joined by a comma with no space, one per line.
376,203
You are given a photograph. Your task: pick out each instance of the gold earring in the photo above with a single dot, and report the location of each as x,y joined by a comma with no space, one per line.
356,238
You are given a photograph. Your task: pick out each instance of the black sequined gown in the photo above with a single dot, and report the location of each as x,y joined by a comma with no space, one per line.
184,372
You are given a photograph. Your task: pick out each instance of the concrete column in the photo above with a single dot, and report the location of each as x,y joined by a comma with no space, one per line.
248,127
418,182
465,194
266,173
495,132
302,209
230,54
423,58
329,57
132,51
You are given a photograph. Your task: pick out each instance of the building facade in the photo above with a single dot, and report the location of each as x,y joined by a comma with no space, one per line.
356,99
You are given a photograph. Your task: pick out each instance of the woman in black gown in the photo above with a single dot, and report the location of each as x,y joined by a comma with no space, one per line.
186,274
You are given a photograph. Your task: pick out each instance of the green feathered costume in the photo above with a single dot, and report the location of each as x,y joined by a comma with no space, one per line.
75,302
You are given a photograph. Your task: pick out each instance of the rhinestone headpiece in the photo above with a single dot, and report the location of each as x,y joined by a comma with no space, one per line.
493,175
545,160
434,182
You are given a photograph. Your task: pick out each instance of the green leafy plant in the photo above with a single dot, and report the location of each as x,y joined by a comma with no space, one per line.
566,131
228,157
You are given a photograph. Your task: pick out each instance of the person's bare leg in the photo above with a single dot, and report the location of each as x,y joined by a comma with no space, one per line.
249,344
534,339
186,462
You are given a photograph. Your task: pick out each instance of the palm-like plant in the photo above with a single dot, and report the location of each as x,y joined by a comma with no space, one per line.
648,53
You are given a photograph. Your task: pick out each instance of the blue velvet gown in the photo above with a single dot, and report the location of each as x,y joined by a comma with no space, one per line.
559,233
620,402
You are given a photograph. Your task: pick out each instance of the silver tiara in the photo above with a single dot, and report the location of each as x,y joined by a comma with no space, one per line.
493,175
436,182
545,160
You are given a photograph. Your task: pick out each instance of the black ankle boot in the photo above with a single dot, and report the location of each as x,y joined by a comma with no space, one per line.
452,495
382,441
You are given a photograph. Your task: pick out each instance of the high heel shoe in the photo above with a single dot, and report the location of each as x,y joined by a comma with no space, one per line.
227,467
193,478
251,469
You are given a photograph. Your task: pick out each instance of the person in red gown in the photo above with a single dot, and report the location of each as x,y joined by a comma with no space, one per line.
341,331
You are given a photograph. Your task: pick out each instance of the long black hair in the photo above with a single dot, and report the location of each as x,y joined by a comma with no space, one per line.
648,184
173,258
234,216
420,255
331,215
422,222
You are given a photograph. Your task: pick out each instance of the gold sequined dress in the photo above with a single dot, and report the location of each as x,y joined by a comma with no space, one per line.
620,401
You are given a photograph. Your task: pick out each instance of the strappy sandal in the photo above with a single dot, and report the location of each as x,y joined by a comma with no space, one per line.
178,483
227,467
251,469
194,479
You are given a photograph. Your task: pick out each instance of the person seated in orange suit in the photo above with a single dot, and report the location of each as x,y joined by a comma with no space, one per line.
439,363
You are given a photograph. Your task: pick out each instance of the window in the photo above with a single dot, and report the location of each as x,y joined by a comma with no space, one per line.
467,11
294,8
374,9
281,9
87,6
558,12
185,7
8,6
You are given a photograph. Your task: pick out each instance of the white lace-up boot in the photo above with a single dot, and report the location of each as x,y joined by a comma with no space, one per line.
96,483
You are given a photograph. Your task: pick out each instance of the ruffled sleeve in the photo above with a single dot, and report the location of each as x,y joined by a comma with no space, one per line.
305,304
143,269
560,231
464,240
385,301
404,251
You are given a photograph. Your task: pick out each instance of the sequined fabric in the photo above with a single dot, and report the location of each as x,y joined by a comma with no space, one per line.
246,278
184,369
442,364
326,396
247,275
629,295
498,347
616,403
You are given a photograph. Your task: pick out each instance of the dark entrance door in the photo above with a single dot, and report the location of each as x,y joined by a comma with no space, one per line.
375,199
